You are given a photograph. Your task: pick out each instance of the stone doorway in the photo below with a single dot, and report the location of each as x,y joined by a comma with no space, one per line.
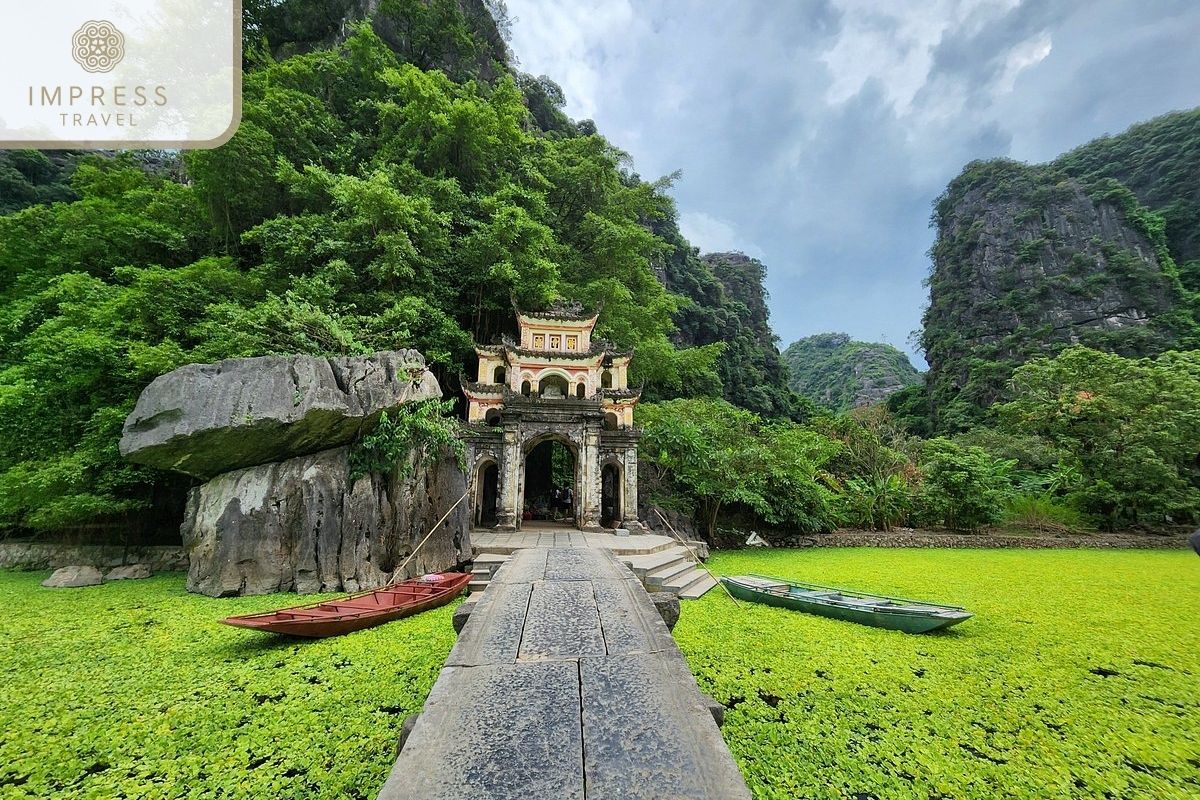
551,482
487,494
610,495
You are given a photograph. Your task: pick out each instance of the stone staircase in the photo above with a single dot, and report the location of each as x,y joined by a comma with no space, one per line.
669,569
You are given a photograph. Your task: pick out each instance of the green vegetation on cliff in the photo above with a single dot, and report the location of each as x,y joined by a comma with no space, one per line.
1159,161
1032,259
839,373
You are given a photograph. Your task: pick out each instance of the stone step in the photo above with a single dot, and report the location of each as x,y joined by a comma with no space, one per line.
476,586
698,589
642,565
667,578
680,581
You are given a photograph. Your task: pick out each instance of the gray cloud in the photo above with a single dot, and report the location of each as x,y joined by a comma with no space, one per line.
816,135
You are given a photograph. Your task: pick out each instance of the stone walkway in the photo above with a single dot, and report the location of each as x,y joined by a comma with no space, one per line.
565,683
660,562
486,541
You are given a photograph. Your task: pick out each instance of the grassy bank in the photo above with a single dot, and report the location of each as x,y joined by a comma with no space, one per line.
1078,678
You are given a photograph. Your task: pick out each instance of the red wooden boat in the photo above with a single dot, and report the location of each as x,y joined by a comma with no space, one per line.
357,611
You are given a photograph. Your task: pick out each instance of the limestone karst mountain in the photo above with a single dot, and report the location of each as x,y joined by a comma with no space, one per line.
1096,248
835,371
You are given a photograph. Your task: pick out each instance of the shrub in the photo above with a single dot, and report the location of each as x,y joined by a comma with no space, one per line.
877,503
417,429
964,487
1041,512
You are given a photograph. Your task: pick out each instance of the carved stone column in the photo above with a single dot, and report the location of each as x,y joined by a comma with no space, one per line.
589,478
508,515
629,508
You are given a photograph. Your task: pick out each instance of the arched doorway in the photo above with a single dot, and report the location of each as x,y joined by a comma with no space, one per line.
487,494
610,495
551,482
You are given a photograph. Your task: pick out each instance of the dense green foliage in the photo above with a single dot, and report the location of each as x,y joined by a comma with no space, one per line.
964,487
1075,680
31,177
364,204
408,436
1126,432
718,455
839,373
134,690
860,470
1158,161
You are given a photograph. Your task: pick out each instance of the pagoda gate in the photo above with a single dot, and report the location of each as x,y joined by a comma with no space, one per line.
554,387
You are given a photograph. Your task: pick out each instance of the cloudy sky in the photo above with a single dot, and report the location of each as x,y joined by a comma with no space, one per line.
815,134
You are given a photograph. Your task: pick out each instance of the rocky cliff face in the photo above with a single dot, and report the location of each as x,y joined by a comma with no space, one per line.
726,302
1159,161
839,373
301,525
460,37
1029,260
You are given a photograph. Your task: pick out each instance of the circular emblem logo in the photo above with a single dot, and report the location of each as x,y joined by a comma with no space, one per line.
98,46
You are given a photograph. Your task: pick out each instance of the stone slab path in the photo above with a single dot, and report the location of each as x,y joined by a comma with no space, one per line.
565,683
661,562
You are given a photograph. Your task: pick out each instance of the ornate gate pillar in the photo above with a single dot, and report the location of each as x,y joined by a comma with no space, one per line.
589,478
629,509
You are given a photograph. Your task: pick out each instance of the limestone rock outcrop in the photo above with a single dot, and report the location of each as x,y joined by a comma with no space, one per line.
301,525
73,578
207,419
129,572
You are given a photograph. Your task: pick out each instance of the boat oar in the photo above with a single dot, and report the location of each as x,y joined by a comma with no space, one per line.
692,553
400,569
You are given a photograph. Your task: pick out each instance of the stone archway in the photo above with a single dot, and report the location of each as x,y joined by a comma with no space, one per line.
551,482
487,493
612,494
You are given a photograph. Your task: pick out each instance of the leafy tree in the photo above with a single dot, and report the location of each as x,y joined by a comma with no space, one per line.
719,455
1130,426
964,488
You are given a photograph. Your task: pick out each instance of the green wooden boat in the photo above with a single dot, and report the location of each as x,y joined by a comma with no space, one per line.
880,611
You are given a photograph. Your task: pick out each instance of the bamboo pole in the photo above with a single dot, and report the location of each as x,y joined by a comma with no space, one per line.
692,553
436,525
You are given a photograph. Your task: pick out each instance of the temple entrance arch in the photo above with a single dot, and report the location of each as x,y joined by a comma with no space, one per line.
550,479
612,484
551,407
487,493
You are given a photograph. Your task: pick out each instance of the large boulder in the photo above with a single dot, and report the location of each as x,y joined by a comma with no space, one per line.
73,577
129,572
301,525
206,419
